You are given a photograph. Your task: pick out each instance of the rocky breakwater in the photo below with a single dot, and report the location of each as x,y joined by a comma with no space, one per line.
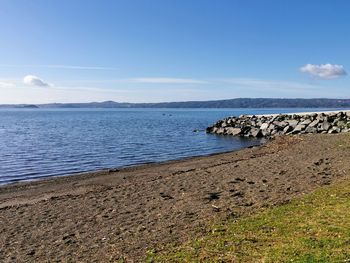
269,126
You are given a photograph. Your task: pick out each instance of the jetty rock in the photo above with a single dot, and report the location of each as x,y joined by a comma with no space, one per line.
269,126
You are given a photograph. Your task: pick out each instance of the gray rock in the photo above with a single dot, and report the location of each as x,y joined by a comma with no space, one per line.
340,114
334,130
314,123
233,131
320,117
306,122
271,126
220,131
256,132
287,129
293,123
311,129
331,114
273,132
282,124
264,126
298,128
265,133
325,126
341,124
313,115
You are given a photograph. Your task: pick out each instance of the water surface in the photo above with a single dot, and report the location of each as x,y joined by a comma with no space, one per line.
37,143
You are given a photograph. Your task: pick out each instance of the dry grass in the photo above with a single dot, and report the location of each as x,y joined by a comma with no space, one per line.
315,228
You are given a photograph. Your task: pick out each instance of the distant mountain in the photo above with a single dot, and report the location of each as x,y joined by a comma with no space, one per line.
231,103
20,106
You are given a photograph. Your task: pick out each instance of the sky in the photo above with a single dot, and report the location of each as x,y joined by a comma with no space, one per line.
167,50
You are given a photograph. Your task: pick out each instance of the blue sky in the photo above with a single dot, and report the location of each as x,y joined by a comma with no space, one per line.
166,50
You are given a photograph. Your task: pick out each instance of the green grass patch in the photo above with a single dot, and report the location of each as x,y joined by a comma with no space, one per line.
314,228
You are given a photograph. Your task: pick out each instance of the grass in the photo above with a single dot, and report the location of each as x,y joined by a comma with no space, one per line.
314,228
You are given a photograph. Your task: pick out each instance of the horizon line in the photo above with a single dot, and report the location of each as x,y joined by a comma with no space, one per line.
168,102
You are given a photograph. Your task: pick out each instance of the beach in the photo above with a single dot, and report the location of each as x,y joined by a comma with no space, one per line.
123,214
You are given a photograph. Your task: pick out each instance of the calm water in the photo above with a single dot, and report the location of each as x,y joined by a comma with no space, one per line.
42,143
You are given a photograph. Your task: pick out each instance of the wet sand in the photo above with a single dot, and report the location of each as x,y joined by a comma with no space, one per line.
111,215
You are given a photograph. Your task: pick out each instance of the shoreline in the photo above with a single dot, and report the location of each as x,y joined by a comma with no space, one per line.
125,168
13,177
123,214
104,170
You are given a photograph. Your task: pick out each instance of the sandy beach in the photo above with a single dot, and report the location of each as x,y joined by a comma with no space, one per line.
111,215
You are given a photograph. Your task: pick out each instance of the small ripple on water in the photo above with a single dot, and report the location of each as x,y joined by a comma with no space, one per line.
39,144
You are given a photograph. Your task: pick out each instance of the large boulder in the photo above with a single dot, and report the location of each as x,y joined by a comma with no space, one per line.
293,123
220,131
298,128
233,131
280,124
305,122
224,124
325,125
334,130
271,127
331,114
264,126
287,129
255,132
311,129
314,123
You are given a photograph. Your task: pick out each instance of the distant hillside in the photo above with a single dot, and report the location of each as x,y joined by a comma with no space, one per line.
20,106
231,103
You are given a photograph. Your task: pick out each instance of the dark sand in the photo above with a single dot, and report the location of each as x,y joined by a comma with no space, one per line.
101,217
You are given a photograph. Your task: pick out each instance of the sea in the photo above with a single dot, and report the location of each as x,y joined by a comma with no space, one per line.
41,143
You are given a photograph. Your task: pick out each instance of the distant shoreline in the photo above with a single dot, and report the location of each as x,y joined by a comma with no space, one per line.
225,103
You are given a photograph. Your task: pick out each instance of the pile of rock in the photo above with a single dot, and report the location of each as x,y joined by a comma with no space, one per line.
270,126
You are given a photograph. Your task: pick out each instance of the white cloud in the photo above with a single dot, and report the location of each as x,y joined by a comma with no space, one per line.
6,84
35,81
324,71
166,81
59,67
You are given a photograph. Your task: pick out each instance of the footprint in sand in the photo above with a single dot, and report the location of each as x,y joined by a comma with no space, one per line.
212,196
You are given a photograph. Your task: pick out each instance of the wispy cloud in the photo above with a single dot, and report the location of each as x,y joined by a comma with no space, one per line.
263,85
6,84
144,80
137,89
324,71
35,81
248,83
163,80
54,66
